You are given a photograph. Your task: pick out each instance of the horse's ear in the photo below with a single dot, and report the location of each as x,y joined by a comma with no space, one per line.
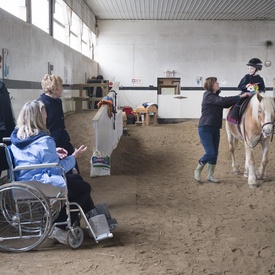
259,97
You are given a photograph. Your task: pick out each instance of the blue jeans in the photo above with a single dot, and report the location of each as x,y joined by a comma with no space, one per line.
210,139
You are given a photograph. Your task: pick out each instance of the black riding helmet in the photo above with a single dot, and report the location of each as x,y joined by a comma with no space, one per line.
256,63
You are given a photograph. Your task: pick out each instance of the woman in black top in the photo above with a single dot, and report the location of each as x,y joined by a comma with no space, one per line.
7,122
210,124
52,86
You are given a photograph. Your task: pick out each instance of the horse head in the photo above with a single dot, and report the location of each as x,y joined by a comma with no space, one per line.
263,112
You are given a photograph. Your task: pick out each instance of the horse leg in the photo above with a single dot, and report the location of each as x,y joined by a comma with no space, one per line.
246,168
249,165
265,160
233,144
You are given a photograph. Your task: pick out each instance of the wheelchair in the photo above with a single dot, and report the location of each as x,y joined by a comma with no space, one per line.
29,209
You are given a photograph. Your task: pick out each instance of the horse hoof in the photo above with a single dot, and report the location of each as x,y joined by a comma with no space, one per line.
253,186
259,177
236,172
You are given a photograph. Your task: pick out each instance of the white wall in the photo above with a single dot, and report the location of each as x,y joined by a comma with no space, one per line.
146,49
169,106
20,97
141,49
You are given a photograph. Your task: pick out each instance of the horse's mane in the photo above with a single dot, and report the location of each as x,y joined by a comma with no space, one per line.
267,105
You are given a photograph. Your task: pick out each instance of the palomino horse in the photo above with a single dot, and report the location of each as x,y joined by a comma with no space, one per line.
256,127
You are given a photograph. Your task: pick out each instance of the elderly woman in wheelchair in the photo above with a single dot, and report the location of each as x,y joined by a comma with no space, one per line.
25,199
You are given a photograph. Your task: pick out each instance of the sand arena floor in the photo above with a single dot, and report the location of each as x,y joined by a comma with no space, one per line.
168,224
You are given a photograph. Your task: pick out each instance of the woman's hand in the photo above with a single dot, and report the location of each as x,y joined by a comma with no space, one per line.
245,94
62,153
78,151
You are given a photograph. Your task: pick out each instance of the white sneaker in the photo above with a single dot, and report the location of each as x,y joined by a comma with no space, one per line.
60,235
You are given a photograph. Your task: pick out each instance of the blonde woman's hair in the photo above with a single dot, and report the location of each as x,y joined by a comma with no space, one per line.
50,83
209,83
30,121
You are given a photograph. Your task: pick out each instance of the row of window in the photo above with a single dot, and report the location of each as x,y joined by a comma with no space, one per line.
66,27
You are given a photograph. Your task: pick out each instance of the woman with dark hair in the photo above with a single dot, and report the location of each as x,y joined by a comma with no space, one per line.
7,122
210,124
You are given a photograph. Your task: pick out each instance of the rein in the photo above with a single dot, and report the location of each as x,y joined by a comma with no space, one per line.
244,136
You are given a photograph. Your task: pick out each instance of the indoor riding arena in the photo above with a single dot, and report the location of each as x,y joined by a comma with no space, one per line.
134,75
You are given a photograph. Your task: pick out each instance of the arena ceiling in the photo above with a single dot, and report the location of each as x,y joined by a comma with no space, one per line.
183,9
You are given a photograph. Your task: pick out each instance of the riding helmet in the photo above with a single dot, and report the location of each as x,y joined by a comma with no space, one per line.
256,63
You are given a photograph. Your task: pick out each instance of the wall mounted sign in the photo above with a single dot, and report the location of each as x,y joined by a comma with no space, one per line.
5,64
136,81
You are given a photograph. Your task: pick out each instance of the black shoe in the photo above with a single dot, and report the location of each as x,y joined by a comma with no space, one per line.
112,222
103,209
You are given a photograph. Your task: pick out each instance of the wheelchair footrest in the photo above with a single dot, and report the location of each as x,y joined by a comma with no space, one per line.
100,227
104,236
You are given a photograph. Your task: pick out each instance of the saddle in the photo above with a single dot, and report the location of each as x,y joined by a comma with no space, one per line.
240,111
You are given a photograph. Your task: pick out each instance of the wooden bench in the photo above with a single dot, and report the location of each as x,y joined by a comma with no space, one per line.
148,112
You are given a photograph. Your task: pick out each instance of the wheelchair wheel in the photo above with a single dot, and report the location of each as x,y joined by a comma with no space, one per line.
25,218
75,238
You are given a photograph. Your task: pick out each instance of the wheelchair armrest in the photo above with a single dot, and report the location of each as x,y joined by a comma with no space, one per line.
36,166
6,140
39,166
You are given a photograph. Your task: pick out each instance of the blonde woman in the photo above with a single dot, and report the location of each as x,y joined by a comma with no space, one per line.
52,86
32,144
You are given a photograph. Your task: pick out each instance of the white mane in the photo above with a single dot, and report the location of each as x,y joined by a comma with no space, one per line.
266,105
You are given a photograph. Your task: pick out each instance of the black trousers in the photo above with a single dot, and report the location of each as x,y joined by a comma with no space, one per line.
79,192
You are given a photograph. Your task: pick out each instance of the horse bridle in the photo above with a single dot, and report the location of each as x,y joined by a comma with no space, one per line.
273,124
267,123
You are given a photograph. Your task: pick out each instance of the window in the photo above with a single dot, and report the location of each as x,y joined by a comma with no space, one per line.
15,7
85,41
59,21
40,14
68,28
75,32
